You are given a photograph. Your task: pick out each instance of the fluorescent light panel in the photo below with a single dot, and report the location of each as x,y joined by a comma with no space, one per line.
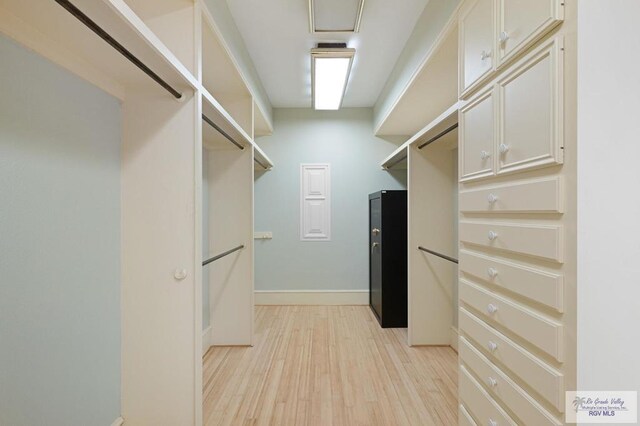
330,72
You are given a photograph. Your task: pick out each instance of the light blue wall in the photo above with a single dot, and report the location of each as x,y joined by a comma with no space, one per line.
227,27
344,139
431,22
59,246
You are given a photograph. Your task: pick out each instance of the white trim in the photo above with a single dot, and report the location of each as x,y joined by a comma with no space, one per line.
312,297
118,422
454,338
206,340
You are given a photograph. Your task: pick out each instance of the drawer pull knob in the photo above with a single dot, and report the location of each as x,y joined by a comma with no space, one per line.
492,423
492,272
504,148
485,55
491,308
492,235
492,382
492,198
492,346
504,36
484,155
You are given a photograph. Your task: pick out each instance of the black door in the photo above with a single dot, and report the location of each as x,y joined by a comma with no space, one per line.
375,262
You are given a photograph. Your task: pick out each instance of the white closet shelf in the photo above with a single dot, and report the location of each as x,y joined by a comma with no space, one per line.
432,87
262,162
447,119
50,30
213,110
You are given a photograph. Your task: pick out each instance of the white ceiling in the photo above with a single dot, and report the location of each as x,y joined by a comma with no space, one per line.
276,33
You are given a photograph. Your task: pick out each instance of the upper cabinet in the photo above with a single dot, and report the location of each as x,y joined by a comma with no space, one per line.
515,123
520,23
476,35
530,111
493,33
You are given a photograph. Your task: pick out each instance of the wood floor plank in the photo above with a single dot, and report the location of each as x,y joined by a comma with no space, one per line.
328,365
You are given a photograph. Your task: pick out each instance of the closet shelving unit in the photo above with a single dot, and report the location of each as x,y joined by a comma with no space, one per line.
432,89
430,158
119,46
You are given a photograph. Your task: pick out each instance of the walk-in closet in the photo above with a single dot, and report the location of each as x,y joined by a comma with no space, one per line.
318,212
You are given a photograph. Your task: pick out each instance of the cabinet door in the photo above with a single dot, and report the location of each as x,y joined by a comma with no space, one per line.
477,136
375,253
476,40
530,111
522,22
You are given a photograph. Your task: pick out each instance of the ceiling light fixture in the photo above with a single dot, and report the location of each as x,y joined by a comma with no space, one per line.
330,68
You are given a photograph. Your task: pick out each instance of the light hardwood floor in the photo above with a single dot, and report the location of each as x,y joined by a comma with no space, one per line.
328,365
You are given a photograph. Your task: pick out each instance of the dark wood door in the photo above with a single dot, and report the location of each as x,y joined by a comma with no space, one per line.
375,258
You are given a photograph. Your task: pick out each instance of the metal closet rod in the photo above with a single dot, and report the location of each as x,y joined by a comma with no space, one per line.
222,132
221,255
120,48
258,161
396,162
435,253
439,135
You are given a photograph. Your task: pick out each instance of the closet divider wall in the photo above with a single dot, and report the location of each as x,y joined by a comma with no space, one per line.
169,66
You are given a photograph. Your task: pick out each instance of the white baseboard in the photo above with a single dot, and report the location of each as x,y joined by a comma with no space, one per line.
118,422
312,297
206,340
454,338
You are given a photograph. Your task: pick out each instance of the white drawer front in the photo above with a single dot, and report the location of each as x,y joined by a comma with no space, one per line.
480,403
535,196
543,379
540,286
504,389
464,418
545,241
539,331
530,112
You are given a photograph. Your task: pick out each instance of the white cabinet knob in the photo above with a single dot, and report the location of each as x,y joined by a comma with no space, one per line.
491,308
492,382
492,272
492,346
492,198
484,155
504,36
504,148
485,55
492,423
180,274
492,235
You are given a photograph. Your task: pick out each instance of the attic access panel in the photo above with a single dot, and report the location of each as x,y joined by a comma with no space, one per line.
335,16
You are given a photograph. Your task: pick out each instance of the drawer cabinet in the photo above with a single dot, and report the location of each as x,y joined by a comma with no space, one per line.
477,131
536,329
520,23
477,36
544,241
533,196
464,418
482,407
530,111
537,285
545,380
503,389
